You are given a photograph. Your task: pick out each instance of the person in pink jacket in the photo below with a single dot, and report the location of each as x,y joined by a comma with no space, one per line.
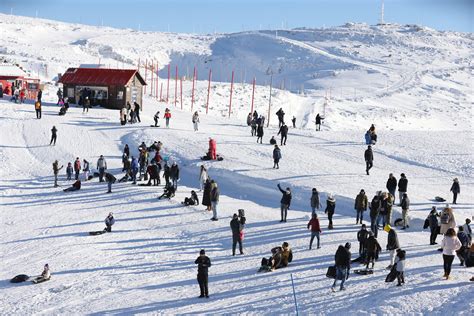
212,149
449,244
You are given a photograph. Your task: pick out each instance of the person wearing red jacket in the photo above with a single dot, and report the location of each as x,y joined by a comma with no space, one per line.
212,149
315,229
167,117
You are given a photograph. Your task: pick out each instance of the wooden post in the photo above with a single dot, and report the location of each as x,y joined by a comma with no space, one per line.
231,89
181,91
253,95
192,91
157,79
168,84
152,83
176,87
208,90
146,72
270,100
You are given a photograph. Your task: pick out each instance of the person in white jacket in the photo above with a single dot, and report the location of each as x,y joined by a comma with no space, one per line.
196,121
450,244
203,176
400,266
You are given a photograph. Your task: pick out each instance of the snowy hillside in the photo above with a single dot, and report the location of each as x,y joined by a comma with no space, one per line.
420,99
396,75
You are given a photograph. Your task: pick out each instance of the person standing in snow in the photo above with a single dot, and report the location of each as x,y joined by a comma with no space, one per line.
391,185
260,133
156,117
330,209
375,207
85,169
109,221
276,157
284,202
433,224
56,169
206,194
402,187
203,176
195,121
362,236
293,120
69,171
467,229
249,119
253,125
86,105
392,244
315,230
447,220
137,111
343,265
126,150
174,175
167,117
101,166
39,95
214,199
38,109
369,158
450,244
203,263
456,189
134,168
54,135
281,117
77,168
400,266
236,227
318,122
315,203
372,247
284,133
360,205
405,208
110,179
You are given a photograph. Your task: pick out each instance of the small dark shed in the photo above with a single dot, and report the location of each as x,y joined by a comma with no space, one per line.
110,88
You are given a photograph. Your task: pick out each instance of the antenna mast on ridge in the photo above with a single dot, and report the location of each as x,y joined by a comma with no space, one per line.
381,14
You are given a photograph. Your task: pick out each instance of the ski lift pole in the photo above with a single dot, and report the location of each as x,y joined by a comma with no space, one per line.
294,293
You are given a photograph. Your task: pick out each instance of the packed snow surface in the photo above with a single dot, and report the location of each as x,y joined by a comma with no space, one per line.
419,98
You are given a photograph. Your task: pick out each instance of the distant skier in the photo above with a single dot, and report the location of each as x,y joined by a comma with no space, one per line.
315,230
284,202
330,209
343,265
281,117
284,133
203,263
195,121
236,227
56,169
456,189
276,157
54,135
318,122
293,120
369,158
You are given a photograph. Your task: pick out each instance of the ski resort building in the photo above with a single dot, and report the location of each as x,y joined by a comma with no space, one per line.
110,88
12,76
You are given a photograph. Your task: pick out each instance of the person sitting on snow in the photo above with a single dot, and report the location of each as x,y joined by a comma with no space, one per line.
168,192
75,186
193,200
280,258
109,221
45,275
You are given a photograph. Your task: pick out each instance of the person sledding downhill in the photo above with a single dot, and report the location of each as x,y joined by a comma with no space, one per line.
45,275
281,257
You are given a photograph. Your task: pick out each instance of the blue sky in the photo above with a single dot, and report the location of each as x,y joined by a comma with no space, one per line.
207,16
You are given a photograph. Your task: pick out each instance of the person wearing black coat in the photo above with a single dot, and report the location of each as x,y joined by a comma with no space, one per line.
434,225
284,202
54,135
330,209
402,187
206,195
456,189
392,244
166,174
174,175
373,248
284,133
318,122
343,265
405,208
203,263
362,236
369,159
281,117
110,179
259,133
375,207
137,111
236,227
391,185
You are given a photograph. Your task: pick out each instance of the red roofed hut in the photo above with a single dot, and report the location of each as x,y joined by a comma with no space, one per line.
110,88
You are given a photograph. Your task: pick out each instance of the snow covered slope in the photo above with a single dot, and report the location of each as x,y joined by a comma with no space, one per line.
420,99
397,76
